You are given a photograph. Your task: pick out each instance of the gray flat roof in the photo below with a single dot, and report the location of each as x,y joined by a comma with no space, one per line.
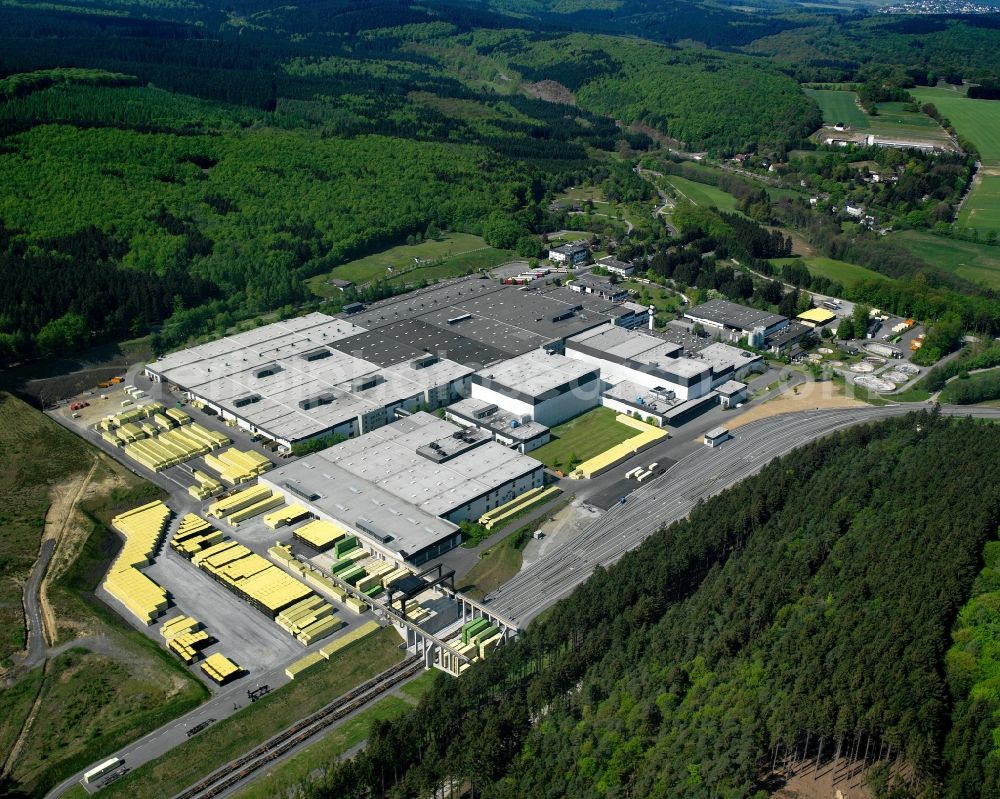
343,497
535,373
496,419
723,356
630,344
388,457
265,375
723,312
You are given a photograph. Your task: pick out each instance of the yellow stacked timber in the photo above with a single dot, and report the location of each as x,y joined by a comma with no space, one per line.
143,598
187,645
349,638
392,576
320,534
130,432
235,466
143,530
220,668
149,430
257,508
238,500
178,416
489,645
490,515
319,630
309,620
112,438
522,503
163,422
355,604
374,574
126,417
304,664
207,486
175,446
300,610
151,409
179,625
282,552
193,535
285,516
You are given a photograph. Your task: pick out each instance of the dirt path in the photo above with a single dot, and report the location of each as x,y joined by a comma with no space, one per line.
61,513
808,397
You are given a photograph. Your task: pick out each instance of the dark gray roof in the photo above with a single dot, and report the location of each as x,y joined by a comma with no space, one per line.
731,314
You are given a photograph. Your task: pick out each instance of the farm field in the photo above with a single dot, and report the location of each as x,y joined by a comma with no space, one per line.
894,120
979,122
976,120
978,263
839,106
454,254
587,435
185,764
845,273
700,193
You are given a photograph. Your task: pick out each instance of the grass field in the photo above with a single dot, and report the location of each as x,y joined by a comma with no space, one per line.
700,193
976,120
839,106
979,122
187,763
37,454
587,435
454,255
978,263
498,564
307,766
665,302
846,274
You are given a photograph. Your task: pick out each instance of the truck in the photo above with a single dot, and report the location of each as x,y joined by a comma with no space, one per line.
98,771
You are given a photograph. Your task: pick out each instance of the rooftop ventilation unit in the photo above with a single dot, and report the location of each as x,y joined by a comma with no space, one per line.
267,371
373,530
367,382
315,402
300,491
316,355
250,399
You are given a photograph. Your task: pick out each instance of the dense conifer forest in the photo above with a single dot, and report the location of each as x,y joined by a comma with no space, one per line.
808,616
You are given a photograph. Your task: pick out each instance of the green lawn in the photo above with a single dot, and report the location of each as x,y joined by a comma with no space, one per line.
664,301
456,250
587,435
496,566
186,764
846,274
976,120
417,687
981,209
978,263
303,767
568,236
701,193
893,119
979,122
839,106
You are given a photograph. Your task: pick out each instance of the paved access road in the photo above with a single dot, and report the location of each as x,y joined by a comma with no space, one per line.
666,499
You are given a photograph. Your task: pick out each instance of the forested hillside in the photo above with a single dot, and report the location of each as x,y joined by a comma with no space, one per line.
802,616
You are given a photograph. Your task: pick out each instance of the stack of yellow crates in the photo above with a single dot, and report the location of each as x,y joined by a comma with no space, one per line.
285,516
320,534
178,416
170,447
193,535
309,620
235,466
185,637
143,529
220,668
237,501
207,486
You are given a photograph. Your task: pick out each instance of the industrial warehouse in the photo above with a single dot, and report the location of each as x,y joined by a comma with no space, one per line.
405,486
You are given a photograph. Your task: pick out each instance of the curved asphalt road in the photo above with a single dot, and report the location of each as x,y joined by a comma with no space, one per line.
666,499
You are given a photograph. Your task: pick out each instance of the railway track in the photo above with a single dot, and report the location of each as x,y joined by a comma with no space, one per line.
300,732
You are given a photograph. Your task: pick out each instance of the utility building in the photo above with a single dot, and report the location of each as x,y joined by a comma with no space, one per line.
539,386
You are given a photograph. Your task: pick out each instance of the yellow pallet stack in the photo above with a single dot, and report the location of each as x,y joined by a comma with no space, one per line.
320,534
285,516
236,466
207,486
185,637
193,535
309,620
171,447
143,529
178,416
220,668
374,574
237,500
357,634
303,665
257,508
